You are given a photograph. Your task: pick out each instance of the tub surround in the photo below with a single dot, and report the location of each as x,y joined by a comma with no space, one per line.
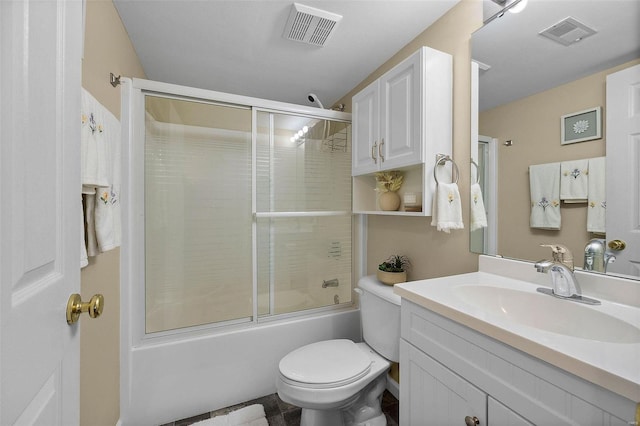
613,366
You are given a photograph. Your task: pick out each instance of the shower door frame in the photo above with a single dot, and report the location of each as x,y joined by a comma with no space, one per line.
134,340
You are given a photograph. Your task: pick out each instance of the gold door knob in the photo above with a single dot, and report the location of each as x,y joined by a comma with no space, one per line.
617,245
75,307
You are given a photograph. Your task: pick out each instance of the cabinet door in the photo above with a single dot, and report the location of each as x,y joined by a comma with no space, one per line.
431,394
365,130
400,136
499,415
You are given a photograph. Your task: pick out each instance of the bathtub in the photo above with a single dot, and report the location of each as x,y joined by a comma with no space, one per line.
183,375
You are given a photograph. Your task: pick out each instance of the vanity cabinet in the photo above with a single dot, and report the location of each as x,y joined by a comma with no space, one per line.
400,122
449,372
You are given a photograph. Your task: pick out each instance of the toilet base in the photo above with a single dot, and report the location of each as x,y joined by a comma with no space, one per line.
366,410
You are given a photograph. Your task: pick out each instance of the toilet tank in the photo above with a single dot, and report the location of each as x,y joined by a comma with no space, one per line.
380,314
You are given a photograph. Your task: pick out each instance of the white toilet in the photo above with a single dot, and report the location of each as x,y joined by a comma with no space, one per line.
339,382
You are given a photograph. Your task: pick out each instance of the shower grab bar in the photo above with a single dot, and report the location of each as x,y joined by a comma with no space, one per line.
302,214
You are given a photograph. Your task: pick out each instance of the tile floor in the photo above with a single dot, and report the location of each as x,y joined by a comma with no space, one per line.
279,413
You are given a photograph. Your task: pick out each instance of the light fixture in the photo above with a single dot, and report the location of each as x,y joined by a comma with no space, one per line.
519,7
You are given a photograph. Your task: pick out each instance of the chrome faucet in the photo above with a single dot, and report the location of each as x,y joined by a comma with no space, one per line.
563,280
596,256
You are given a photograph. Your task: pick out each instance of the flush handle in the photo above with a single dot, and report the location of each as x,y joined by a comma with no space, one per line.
75,306
617,245
471,421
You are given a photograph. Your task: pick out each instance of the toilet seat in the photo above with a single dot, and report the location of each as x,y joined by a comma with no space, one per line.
326,364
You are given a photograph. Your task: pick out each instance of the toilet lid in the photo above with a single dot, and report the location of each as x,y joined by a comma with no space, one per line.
331,362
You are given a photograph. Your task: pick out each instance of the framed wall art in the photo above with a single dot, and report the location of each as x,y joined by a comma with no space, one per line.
581,126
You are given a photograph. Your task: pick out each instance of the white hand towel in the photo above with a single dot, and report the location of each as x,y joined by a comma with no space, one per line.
100,157
478,213
574,181
447,208
544,182
94,157
597,204
107,214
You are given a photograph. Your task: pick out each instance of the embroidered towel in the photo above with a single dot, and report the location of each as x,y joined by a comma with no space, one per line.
574,181
447,208
544,183
597,204
94,156
100,166
478,213
107,213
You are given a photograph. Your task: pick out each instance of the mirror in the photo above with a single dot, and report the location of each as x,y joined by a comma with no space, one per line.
526,83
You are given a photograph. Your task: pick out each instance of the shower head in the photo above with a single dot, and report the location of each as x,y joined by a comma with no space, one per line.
314,99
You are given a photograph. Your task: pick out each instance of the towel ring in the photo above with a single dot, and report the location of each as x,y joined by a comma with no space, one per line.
477,171
441,160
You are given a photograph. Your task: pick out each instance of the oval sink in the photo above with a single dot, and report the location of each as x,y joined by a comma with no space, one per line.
548,313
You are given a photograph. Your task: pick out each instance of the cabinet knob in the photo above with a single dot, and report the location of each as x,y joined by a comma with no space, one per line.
380,152
471,421
373,152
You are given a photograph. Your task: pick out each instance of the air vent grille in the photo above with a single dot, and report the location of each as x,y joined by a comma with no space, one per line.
568,31
310,25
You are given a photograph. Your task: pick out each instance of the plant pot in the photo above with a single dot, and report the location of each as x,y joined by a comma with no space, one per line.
389,201
391,278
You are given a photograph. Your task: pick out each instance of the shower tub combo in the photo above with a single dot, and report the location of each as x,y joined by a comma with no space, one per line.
237,245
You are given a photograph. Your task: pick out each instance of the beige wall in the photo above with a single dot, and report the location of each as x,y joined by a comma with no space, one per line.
433,253
533,124
107,48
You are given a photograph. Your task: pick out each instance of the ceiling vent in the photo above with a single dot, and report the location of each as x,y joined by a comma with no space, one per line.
568,31
310,25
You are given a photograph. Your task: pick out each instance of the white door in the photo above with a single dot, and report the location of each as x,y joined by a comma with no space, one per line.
39,209
623,156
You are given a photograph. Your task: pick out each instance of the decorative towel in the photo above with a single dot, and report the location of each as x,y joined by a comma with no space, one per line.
447,208
478,213
544,182
597,205
253,415
94,156
108,224
574,181
100,174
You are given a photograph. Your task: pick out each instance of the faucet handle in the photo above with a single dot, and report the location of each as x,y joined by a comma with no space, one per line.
561,254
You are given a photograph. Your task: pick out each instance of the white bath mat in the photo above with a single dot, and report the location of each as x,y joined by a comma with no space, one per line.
252,415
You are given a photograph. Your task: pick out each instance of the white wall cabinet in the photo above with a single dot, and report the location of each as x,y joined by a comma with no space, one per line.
449,372
400,122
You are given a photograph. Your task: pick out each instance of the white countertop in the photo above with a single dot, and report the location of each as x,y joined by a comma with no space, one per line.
614,366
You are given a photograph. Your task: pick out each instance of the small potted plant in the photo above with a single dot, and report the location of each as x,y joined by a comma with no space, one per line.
393,270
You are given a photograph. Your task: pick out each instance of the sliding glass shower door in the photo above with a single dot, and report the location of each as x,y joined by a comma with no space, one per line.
198,215
247,213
